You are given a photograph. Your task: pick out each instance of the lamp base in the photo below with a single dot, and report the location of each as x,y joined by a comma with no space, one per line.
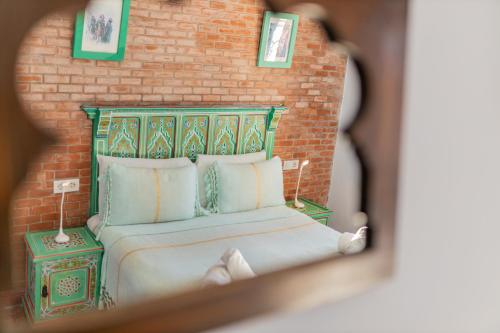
298,204
61,238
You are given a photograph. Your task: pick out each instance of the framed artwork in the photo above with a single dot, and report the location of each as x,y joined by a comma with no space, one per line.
101,30
277,40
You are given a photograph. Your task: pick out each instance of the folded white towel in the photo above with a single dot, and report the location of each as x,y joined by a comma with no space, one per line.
216,275
230,267
350,243
236,265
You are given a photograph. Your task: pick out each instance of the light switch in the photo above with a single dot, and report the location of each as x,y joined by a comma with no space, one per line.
69,185
291,165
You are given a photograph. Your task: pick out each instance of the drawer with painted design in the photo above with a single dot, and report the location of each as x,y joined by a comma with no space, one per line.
61,279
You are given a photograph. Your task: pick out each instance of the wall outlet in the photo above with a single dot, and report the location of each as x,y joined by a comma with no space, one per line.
70,185
291,165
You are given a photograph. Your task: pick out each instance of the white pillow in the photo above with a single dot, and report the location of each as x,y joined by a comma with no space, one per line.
145,195
242,187
105,161
204,162
93,223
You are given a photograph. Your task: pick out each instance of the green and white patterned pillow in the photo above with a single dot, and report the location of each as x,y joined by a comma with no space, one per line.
241,187
148,163
204,162
146,195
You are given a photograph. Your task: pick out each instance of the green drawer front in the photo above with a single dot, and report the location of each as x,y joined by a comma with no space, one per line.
72,285
69,287
323,220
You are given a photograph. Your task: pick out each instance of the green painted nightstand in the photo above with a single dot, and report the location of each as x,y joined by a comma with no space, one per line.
312,209
61,279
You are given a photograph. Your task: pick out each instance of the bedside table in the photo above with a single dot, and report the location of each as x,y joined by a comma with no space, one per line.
61,279
312,209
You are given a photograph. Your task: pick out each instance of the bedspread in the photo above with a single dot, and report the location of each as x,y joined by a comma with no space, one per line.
146,260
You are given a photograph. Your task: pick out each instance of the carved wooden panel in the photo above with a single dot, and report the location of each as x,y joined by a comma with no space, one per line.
226,135
160,139
254,134
194,136
72,285
123,137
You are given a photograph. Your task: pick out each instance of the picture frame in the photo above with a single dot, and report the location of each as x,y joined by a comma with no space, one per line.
277,40
101,30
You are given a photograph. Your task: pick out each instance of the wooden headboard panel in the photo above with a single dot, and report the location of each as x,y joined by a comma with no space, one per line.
165,132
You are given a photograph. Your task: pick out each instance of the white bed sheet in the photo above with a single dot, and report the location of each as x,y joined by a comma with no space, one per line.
147,260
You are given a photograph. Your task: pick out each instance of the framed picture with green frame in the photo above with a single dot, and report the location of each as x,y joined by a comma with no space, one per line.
101,30
277,40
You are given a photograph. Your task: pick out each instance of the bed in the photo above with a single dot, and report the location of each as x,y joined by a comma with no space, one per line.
144,260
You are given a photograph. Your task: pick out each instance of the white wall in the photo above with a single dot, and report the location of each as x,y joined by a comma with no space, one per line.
448,271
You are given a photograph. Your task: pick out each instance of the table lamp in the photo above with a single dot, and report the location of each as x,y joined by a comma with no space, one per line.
61,237
297,203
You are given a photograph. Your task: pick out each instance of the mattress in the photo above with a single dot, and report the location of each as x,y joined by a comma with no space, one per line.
146,260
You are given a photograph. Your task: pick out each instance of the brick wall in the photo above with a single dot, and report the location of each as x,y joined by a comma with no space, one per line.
201,52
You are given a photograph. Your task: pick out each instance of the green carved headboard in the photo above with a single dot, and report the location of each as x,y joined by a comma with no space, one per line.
157,132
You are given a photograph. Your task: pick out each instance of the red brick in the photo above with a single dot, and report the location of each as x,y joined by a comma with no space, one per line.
22,87
29,78
56,78
95,89
70,88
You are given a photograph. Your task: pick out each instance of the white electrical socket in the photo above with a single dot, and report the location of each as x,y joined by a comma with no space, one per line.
69,185
291,165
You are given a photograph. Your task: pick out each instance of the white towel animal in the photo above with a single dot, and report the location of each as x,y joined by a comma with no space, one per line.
350,243
230,267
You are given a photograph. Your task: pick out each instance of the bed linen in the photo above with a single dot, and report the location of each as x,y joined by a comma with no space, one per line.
148,260
262,181
145,195
106,161
204,162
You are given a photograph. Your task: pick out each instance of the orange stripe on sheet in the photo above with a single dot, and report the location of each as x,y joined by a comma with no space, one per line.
157,247
158,195
258,185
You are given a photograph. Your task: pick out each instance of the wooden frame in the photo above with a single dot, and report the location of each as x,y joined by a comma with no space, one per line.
264,121
264,37
376,31
122,39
